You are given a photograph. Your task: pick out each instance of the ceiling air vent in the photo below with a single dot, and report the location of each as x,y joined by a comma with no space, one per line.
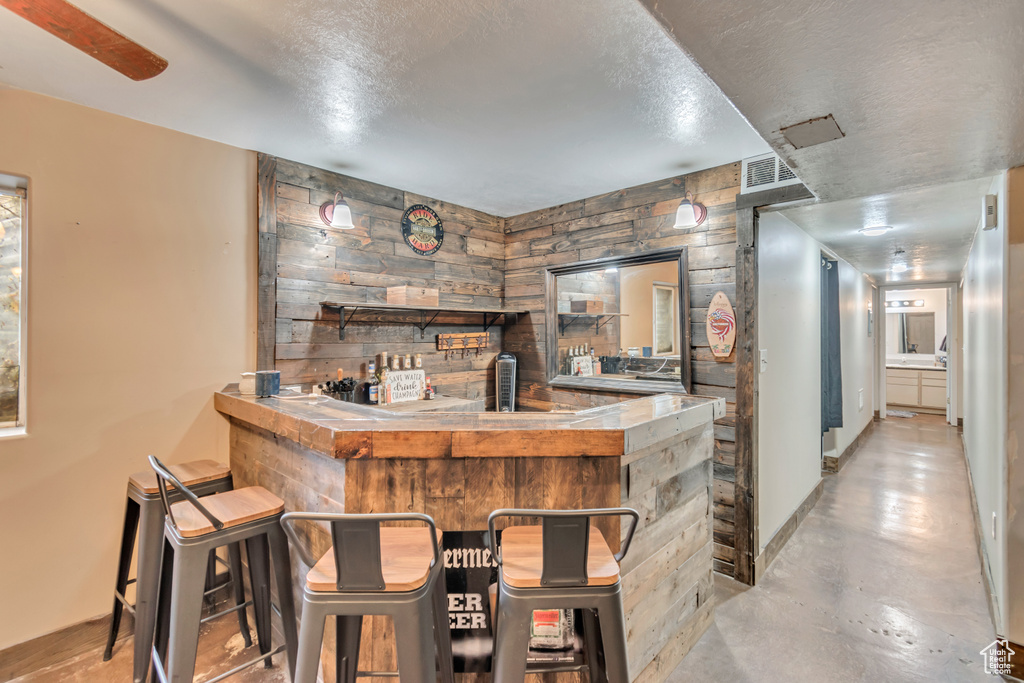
766,172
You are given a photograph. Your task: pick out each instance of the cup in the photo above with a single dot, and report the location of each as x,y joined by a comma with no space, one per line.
648,352
268,383
247,386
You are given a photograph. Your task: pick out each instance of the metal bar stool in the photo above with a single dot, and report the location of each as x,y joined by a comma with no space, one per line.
144,514
191,531
564,563
371,569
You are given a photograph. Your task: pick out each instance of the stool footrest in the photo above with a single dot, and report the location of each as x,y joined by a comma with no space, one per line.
158,666
376,674
229,610
124,601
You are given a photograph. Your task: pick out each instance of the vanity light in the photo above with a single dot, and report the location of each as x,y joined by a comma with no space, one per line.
875,230
919,302
337,214
690,214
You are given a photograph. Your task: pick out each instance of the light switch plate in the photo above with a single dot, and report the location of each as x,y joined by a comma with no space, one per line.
994,525
860,399
764,360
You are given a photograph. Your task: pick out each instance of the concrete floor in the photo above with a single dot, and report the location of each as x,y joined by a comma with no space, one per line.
881,582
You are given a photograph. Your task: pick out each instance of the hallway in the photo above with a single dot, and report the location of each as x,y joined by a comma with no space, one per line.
881,582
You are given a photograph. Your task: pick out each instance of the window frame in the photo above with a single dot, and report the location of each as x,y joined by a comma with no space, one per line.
18,428
674,290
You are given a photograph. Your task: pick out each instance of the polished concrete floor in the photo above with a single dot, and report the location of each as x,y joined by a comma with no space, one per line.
881,582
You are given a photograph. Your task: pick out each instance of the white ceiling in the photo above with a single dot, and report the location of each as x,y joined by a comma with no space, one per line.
933,226
926,92
502,106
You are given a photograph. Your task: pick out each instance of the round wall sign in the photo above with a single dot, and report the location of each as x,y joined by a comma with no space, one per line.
422,229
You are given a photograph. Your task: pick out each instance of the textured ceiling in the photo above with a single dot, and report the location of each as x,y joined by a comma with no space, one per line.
502,106
934,226
925,92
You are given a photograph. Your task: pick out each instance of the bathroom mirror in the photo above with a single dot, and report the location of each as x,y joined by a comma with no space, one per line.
914,333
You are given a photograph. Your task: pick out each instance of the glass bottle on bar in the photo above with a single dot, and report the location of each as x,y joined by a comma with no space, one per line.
373,385
382,380
396,363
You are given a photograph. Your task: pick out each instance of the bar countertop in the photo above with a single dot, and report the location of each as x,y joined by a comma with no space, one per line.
347,430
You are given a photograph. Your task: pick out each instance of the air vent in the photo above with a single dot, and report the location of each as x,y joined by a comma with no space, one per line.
766,172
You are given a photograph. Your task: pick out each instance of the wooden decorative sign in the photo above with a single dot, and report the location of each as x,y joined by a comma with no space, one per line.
721,325
405,385
422,229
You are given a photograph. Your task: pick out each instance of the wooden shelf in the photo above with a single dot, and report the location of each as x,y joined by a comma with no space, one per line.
427,314
563,325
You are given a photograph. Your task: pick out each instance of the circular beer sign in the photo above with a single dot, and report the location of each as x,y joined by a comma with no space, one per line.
422,229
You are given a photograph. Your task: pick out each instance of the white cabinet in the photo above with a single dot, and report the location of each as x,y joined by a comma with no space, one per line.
915,388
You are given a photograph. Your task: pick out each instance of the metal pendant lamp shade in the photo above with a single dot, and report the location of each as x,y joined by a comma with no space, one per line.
337,214
690,214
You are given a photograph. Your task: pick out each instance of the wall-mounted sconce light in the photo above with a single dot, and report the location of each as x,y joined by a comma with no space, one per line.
337,214
690,214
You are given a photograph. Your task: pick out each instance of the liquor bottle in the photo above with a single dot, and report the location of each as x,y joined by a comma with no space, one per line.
382,380
595,369
408,362
396,363
419,361
373,385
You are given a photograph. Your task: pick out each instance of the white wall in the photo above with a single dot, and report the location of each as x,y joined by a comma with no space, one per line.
141,294
985,388
858,355
789,399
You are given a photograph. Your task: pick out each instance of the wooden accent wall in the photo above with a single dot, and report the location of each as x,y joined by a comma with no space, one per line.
311,262
631,221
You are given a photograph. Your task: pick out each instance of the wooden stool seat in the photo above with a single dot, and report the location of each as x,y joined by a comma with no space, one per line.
405,556
522,558
232,508
190,474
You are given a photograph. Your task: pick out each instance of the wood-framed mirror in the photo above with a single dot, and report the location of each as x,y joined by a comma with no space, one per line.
629,315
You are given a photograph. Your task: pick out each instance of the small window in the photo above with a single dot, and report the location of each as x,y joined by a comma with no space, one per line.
666,338
12,263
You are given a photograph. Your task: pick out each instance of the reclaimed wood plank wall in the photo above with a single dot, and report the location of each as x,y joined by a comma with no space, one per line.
620,223
313,262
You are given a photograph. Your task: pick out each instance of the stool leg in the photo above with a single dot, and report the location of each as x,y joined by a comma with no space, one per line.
349,630
592,643
187,587
613,637
211,580
414,643
259,582
312,640
124,565
285,595
238,586
442,630
511,641
147,583
162,624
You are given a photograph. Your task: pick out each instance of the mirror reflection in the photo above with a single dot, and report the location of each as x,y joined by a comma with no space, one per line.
620,322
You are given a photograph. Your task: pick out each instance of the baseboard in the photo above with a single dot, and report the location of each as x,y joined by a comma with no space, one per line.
59,646
878,416
1017,661
986,570
779,540
832,465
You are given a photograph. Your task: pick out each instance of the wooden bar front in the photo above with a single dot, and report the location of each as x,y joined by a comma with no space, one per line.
651,453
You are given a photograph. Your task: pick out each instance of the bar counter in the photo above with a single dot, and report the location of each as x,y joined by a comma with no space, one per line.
651,453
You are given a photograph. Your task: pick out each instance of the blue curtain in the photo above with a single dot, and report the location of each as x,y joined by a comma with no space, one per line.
831,363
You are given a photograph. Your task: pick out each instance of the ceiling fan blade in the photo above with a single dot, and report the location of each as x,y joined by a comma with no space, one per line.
91,36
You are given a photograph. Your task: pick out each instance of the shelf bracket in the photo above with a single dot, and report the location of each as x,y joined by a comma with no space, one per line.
488,323
424,323
563,326
598,324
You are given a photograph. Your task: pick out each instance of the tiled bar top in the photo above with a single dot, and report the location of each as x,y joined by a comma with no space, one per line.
348,430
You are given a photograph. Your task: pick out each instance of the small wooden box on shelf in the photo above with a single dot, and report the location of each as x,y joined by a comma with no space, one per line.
412,296
586,306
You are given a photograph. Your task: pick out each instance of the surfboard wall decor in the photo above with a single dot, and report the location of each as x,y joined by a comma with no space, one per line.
721,326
